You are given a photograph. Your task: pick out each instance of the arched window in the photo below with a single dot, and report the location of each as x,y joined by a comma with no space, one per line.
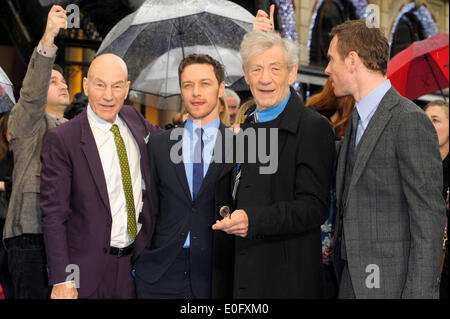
329,14
414,23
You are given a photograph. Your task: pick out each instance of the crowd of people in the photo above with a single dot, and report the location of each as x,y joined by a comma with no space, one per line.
343,196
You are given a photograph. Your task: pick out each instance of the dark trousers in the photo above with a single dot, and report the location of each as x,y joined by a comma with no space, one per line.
346,290
444,286
117,281
330,284
174,284
5,276
28,266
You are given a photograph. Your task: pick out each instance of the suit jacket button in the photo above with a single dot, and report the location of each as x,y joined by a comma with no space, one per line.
194,210
108,224
105,250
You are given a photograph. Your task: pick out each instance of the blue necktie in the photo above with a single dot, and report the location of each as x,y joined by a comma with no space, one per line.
198,164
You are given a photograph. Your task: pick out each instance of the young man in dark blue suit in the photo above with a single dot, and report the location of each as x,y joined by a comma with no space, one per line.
177,262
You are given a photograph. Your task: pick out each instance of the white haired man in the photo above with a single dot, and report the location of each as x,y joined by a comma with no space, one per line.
277,216
233,101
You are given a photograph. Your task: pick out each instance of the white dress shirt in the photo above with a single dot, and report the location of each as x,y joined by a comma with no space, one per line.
107,150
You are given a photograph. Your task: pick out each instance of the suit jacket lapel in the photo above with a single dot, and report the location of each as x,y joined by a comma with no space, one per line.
90,151
179,167
214,168
371,135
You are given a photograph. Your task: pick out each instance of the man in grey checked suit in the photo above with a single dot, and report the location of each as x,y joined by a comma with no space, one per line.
389,174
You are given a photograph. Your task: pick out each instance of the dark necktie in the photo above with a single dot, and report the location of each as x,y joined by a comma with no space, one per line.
350,152
355,120
198,164
347,178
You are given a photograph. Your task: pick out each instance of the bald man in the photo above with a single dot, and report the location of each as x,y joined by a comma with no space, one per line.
95,215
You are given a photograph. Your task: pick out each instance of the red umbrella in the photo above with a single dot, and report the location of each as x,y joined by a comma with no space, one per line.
421,68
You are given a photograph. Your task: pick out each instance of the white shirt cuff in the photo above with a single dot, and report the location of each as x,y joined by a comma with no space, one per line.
62,283
46,51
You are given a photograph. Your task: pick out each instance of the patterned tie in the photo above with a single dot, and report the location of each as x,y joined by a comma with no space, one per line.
126,181
198,164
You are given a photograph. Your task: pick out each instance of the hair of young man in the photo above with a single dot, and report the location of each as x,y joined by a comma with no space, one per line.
58,68
202,59
370,44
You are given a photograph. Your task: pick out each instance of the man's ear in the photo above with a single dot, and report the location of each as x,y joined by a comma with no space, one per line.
127,88
221,89
245,75
353,60
85,85
293,74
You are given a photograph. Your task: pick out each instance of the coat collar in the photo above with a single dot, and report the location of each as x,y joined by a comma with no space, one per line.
90,151
290,117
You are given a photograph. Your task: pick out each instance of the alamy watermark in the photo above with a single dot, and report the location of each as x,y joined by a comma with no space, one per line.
73,16
74,274
250,145
373,279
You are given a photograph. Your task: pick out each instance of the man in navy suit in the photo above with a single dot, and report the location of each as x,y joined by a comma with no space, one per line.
95,215
178,261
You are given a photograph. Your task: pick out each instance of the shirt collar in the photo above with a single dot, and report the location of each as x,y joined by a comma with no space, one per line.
273,112
370,102
98,122
209,130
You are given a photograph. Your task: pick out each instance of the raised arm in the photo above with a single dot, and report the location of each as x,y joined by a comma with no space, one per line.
30,109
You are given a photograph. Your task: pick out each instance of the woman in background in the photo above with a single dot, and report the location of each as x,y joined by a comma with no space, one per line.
437,111
337,111
224,114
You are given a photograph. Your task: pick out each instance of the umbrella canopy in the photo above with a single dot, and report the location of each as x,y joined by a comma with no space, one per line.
421,68
7,100
145,38
162,74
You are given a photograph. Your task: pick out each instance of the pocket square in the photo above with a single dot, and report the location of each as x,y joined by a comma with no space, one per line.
147,138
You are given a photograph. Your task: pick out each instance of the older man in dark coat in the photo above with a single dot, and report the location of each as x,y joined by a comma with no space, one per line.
281,200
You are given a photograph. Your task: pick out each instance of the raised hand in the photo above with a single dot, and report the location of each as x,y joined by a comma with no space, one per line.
263,22
56,20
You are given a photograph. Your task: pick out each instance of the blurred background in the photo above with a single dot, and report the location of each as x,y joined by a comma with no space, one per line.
309,22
